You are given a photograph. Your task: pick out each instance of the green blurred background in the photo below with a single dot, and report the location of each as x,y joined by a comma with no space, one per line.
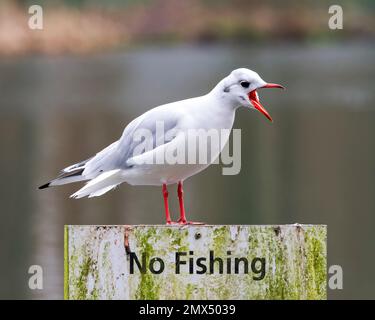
69,90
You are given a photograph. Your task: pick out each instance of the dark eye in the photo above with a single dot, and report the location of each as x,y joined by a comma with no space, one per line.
245,84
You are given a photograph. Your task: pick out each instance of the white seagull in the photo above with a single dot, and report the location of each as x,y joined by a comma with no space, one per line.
119,162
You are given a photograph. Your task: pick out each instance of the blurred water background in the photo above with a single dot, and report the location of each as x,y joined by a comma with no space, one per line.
314,164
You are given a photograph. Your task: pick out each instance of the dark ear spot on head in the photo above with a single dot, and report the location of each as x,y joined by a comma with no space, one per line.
226,89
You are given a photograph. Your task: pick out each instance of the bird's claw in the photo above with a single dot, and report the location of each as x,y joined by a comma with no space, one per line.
185,222
171,223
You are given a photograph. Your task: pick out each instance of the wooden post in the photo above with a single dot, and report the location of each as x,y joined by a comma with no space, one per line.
235,262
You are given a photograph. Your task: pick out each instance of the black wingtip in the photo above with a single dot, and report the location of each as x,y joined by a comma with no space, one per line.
44,186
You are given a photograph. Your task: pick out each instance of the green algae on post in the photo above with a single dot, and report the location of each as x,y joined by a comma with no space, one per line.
214,262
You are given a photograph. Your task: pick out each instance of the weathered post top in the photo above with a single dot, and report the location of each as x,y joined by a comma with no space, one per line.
195,262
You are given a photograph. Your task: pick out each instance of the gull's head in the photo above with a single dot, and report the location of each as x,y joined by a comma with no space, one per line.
239,89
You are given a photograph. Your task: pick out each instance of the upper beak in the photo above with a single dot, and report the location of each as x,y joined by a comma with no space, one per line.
254,99
273,85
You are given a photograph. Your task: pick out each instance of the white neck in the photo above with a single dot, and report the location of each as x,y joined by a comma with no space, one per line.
220,94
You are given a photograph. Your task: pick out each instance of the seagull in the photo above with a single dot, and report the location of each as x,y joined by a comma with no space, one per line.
125,160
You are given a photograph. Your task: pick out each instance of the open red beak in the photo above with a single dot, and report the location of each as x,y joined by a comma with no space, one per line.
254,99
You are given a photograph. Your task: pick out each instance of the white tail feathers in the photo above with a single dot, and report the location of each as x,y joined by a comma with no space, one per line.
102,191
100,185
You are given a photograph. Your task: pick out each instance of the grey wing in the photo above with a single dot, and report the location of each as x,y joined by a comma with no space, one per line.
142,130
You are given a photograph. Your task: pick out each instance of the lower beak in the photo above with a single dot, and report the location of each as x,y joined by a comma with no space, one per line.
254,99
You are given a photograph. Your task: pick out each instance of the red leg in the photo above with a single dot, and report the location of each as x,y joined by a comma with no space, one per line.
180,193
166,206
182,220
